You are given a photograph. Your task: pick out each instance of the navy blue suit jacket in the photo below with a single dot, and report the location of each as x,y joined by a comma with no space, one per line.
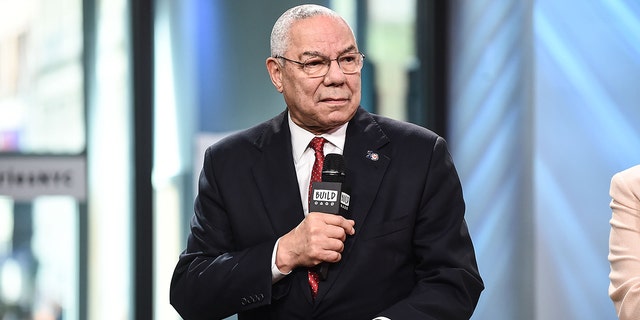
411,256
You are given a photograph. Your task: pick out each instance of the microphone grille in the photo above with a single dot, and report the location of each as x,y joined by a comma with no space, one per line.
333,168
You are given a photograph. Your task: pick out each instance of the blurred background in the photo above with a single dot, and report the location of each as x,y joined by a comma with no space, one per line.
106,108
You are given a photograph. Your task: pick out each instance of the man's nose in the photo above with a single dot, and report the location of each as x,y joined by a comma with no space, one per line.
334,74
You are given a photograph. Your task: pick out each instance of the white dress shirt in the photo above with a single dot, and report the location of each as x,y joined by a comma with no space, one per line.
303,158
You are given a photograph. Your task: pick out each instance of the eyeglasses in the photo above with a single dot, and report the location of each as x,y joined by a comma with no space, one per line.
318,66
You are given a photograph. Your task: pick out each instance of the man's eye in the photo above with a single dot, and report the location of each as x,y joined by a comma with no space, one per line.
348,59
313,63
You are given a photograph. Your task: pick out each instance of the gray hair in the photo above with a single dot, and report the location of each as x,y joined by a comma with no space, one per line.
280,32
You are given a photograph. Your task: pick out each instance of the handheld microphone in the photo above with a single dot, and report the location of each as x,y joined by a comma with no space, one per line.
330,195
333,168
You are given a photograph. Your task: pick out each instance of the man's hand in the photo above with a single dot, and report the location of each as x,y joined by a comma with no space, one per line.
318,238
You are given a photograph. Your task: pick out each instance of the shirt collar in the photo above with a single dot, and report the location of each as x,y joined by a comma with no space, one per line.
300,138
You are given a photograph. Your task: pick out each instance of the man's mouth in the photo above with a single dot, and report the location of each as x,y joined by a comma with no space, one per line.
334,100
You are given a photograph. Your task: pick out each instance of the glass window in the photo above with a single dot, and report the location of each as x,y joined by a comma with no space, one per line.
391,48
38,258
41,80
42,111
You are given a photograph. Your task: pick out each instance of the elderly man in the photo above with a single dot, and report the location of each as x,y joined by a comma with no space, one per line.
403,251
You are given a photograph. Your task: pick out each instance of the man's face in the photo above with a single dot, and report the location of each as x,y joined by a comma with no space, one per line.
323,103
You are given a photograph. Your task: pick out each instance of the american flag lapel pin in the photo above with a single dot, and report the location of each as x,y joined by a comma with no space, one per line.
372,156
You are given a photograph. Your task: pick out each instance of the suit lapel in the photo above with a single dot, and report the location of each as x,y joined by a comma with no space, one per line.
366,165
276,179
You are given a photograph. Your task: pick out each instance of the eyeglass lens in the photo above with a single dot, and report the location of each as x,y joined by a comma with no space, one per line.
319,66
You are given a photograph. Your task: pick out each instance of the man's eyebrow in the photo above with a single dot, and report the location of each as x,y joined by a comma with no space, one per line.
319,54
313,53
350,48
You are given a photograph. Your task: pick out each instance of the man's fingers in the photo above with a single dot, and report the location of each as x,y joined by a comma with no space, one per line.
336,220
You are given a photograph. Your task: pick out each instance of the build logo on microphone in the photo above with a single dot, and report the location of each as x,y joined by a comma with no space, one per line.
344,201
329,197
323,197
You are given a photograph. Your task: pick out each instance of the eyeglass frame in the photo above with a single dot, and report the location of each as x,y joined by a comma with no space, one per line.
303,64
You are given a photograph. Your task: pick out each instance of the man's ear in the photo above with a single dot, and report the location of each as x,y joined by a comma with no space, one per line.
275,73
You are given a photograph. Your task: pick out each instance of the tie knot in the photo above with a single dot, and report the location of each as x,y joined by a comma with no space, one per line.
317,144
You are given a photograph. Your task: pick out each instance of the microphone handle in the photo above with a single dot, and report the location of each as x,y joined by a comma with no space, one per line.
323,270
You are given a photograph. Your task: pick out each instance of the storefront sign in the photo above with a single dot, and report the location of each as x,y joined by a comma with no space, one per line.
27,177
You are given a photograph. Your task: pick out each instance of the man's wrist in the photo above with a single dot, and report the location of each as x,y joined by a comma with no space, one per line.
276,274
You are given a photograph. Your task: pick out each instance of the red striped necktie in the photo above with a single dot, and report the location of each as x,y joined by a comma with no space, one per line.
317,144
